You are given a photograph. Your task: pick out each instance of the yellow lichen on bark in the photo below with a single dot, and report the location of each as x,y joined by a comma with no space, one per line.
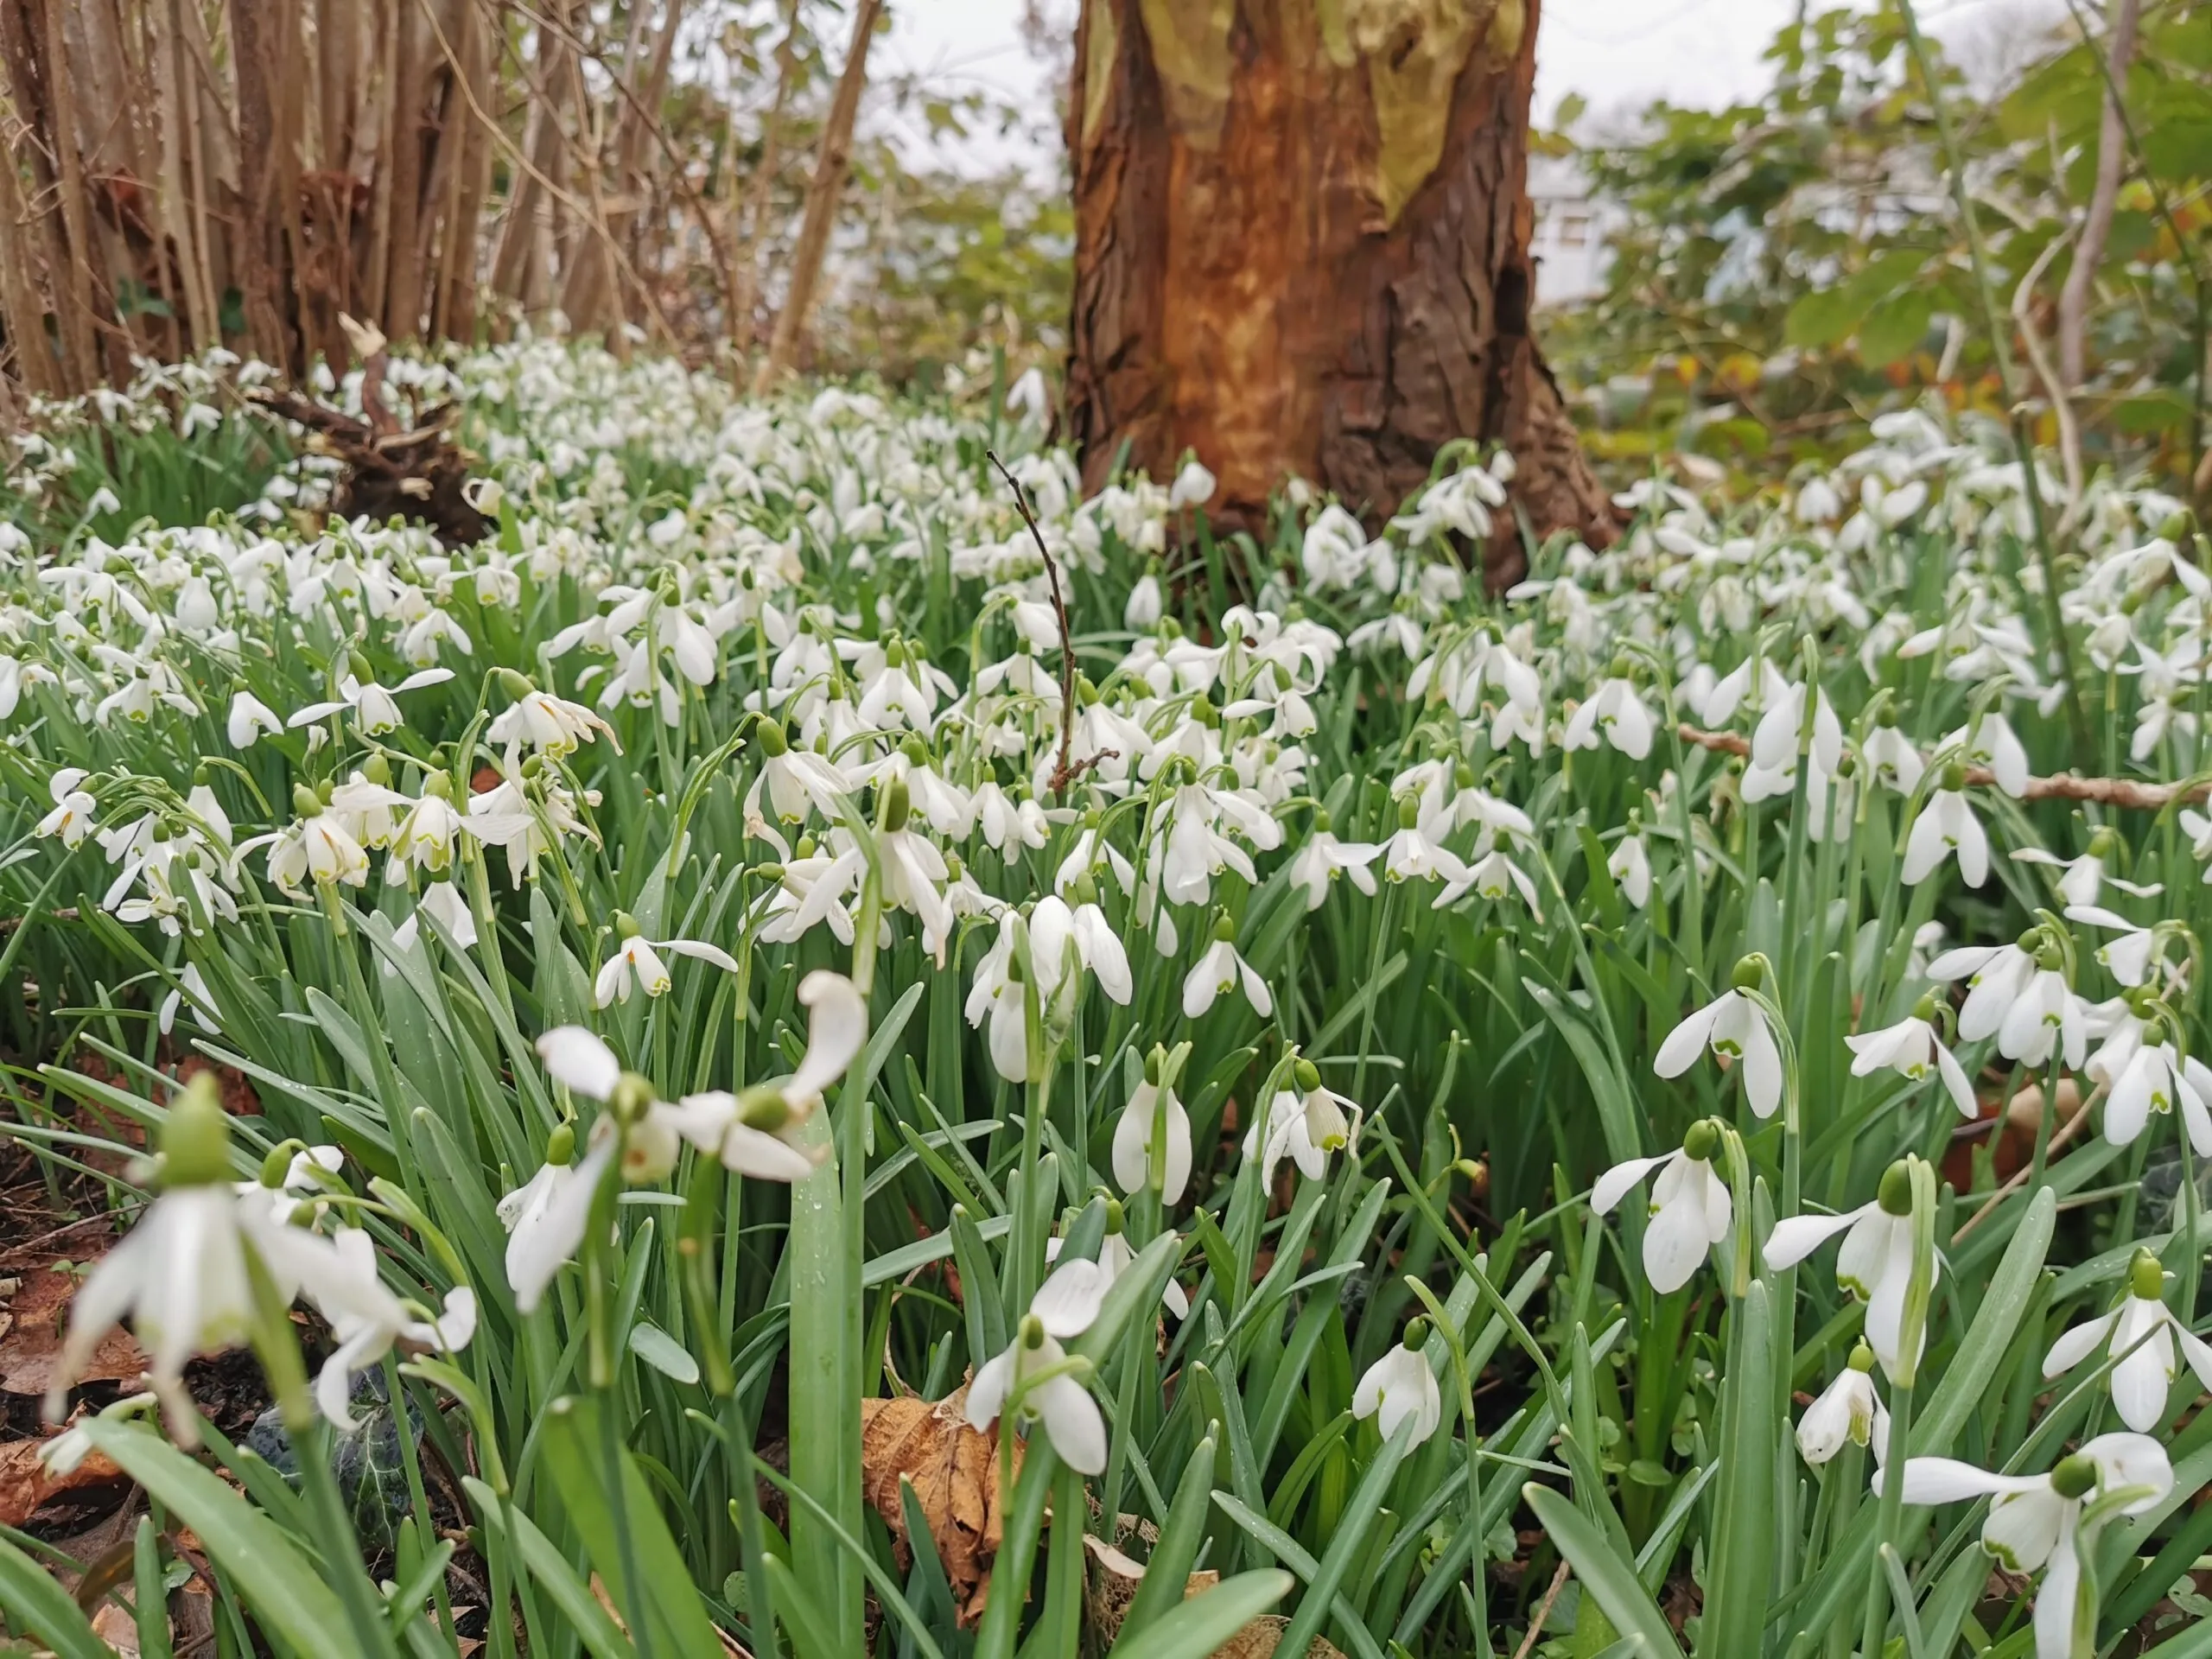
1415,50
1190,55
1104,36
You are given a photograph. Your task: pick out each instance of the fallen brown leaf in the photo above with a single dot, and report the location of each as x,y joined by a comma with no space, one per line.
1112,1584
955,1473
1259,1639
26,1485
34,1340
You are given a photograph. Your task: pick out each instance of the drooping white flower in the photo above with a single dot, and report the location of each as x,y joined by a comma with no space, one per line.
1730,1025
1629,865
75,809
2084,879
1065,1306
2141,1334
368,1320
1875,1264
1996,977
1399,1388
1690,1206
2035,1520
1153,1120
2153,1077
2131,956
635,954
180,1274
1217,969
249,718
1947,825
1193,486
1909,1048
1618,711
1305,1124
545,1217
374,707
1848,1411
1323,859
756,1132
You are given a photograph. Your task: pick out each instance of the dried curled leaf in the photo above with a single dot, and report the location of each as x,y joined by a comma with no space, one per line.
41,1309
954,1470
26,1484
1111,1584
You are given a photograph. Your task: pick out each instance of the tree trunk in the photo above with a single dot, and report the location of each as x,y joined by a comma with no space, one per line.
821,195
1302,248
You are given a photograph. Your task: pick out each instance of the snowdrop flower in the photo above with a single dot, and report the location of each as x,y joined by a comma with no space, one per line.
1995,974
368,1320
2085,877
1065,1306
1323,859
1730,1025
1399,1388
1629,865
545,724
756,1133
1619,710
2154,1078
1115,1253
1992,743
2044,1016
249,718
1411,855
1908,1048
192,988
1848,1410
423,838
1875,1264
585,1065
180,1274
443,901
1029,397
1690,1206
2132,957
1194,487
1151,1138
634,953
1947,825
1889,757
1141,612
374,708
2141,1333
1060,936
1217,970
1774,740
73,809
1306,1127
545,1217
2035,1520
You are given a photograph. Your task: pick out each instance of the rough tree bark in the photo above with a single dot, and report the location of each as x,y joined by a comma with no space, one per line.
1302,247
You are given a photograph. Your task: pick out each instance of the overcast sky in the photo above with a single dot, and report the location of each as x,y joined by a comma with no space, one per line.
1618,55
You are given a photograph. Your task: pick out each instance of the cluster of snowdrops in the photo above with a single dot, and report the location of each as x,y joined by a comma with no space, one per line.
868,729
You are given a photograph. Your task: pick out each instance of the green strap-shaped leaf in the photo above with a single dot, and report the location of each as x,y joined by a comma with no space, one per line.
549,1570
287,1594
38,1606
1609,1580
1201,1625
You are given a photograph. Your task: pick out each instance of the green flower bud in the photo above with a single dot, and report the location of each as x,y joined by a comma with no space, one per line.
306,803
764,1110
916,751
378,770
1114,1218
516,685
1416,1337
195,1137
359,665
1155,1065
561,1145
1702,1141
1408,812
2050,958
897,805
1862,1357
1749,972
1305,1074
771,734
1322,824
2145,1278
632,1095
278,1163
2075,1476
1894,1194
1032,1332
1224,928
1925,1008
625,925
1955,777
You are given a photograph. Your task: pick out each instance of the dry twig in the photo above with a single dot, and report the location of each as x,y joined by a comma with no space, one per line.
2059,786
1063,772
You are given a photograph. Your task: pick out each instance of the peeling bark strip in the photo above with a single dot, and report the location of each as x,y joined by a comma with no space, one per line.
1302,247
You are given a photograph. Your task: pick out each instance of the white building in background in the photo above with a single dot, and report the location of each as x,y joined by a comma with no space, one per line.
1571,229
